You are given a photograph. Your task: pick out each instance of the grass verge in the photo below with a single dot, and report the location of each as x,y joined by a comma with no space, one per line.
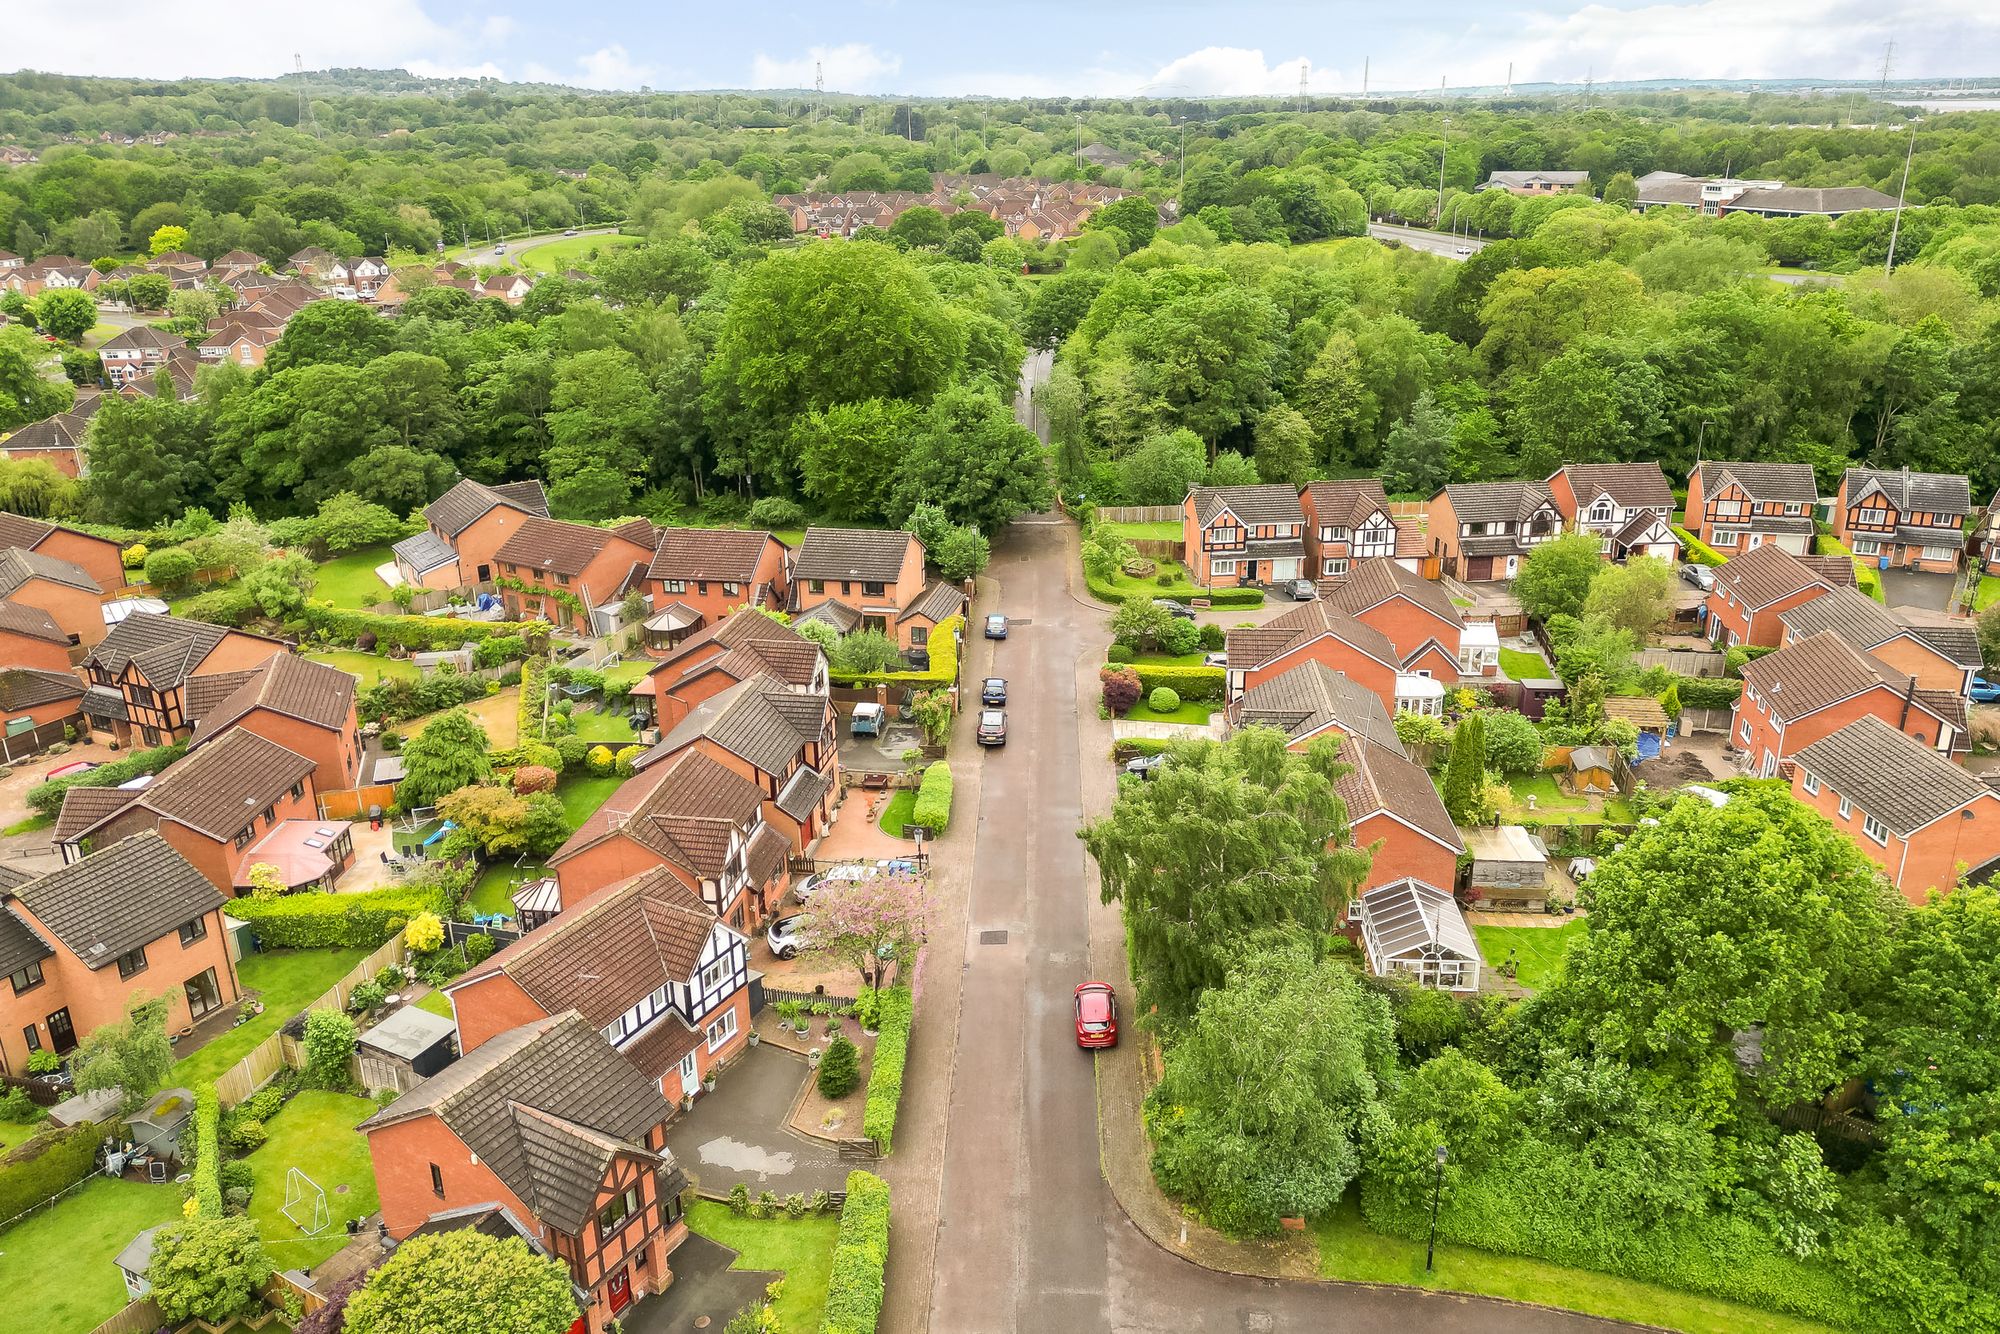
801,1248
1190,711
350,581
33,824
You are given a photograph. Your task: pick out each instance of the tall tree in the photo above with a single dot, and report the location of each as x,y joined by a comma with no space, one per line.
1465,774
454,1282
448,754
1284,446
148,460
1416,459
975,461
848,454
28,393
1556,576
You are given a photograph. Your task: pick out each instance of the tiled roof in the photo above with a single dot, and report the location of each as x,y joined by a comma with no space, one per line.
142,338
1311,696
1517,178
19,531
1253,646
803,792
1272,504
27,687
1937,492
1805,677
1764,575
758,720
1894,777
935,603
17,567
20,945
727,555
1346,504
869,554
752,643
285,683
169,646
1629,485
1810,199
1374,581
1381,779
220,788
546,1106
424,552
63,431
18,618
1956,639
119,898
683,812
554,546
457,509
839,615
85,807
1792,483
1497,502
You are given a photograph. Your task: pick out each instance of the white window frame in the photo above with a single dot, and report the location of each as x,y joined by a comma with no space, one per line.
1846,808
1809,781
1875,829
723,1029
1867,546
1334,565
675,585
1940,553
1222,567
712,975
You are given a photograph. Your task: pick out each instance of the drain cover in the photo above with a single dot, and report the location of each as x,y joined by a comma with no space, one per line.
993,937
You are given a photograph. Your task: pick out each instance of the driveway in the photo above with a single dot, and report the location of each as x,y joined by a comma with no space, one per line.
738,1132
704,1286
1915,588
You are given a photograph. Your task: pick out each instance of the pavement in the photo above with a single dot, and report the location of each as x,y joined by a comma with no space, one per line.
739,1132
1917,588
704,1286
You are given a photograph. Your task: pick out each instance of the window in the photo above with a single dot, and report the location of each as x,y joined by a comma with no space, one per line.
562,579
242,839
872,588
1874,518
1601,512
1875,829
613,1215
27,979
711,976
681,585
1335,566
298,789
1225,535
132,963
722,1029
1334,533
1940,553
1222,567
1867,546
701,587
34,1037
919,635
1810,782
437,1181
816,585
1846,808
193,931
731,589
1794,508
1744,731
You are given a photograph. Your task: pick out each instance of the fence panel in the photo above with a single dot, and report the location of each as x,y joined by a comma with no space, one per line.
1680,661
352,803
278,1051
33,741
1694,720
141,1317
1139,513
251,1073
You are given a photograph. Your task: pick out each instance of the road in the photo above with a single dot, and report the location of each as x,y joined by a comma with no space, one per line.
490,255
1029,1235
1416,238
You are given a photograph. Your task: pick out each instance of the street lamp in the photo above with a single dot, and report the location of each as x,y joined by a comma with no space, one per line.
1437,1189
1442,150
1183,188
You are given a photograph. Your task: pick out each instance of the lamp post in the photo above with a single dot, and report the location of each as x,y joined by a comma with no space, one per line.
1183,187
1437,1189
1443,148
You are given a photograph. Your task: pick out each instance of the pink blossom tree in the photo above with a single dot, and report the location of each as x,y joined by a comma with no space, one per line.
870,925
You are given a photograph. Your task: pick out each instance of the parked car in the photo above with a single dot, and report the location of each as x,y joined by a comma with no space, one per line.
72,768
1302,590
993,690
1096,1016
867,720
1173,608
1701,576
992,727
806,888
1144,766
786,936
996,626
1984,691
500,249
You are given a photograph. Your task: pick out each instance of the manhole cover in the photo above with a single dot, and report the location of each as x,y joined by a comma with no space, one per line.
993,937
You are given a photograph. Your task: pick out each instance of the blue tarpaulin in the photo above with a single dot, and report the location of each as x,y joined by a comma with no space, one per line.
1649,747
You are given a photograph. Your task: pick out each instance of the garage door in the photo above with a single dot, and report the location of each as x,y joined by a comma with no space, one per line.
1478,569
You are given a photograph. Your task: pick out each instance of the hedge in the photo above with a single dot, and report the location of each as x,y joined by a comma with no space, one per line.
1708,692
1698,552
208,1151
45,1166
860,1254
1190,683
1184,594
932,809
320,921
885,1078
1738,655
943,670
47,798
1866,577
415,633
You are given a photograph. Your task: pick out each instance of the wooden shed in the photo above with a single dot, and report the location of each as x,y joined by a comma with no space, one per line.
1510,868
1590,769
1642,711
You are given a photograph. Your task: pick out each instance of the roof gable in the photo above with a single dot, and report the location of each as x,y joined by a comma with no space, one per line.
119,898
871,555
1889,775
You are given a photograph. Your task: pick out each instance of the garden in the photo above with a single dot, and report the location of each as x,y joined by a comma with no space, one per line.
797,1245
56,1266
1115,572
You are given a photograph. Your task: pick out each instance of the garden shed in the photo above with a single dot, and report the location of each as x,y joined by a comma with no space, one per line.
1510,868
1413,930
409,1046
1536,692
1590,769
1642,711
133,1262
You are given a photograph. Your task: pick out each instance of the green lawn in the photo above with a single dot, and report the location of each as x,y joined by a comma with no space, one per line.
1552,803
581,796
897,813
369,667
32,824
314,1133
614,728
289,980
493,891
437,1003
350,582
56,1267
1537,951
1143,532
1170,659
626,673
1189,712
1350,1249
13,1133
565,253
1521,665
1987,593
801,1247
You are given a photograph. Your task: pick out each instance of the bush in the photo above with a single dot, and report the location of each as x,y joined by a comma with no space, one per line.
572,750
1707,692
234,606
246,1135
367,996
943,670
860,1252
18,1107
478,949
1738,655
1697,551
1163,700
47,798
321,921
839,1069
425,932
1179,637
1121,688
532,778
885,1077
776,512
208,1151
1212,638
601,761
414,633
47,1165
329,1047
170,568
1118,653
134,556
623,761
1203,684
932,809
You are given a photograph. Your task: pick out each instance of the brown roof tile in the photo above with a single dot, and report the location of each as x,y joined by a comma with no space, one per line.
557,547
727,555
870,554
285,683
220,788
1766,574
119,898
1892,776
18,567
1254,646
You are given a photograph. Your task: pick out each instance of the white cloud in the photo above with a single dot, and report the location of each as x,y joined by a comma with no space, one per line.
854,67
496,29
611,67
1220,71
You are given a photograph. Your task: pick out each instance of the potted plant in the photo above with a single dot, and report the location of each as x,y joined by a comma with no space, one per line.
708,1082
755,1037
687,1102
788,1013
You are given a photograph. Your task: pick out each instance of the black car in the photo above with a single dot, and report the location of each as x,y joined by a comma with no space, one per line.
993,691
1173,608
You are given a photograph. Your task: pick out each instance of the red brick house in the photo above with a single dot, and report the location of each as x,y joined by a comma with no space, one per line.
1392,805
1817,686
735,649
1913,520
463,528
551,1124
1320,632
1233,535
57,441
135,353
571,574
701,822
1939,652
138,674
38,707
1349,521
30,637
699,575
1482,531
644,961
134,918
870,579
63,590
99,557
1737,507
1415,613
1919,817
1753,590
1629,506
304,706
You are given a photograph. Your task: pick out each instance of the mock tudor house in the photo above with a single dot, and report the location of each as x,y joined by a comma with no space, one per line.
1737,507
1754,590
737,648
304,706
1318,631
1629,506
138,674
1392,805
1939,652
463,528
1349,521
574,575
135,353
699,575
1482,531
1919,817
79,943
1804,691
700,821
1234,535
1913,520
1415,613
65,591
99,557
562,1133
860,578
30,637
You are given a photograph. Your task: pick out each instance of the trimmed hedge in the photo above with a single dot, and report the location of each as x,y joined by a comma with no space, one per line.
47,1165
1184,594
47,798
1708,692
416,633
208,1151
932,809
319,921
1734,658
1697,551
1194,684
855,1288
885,1078
943,645
1866,577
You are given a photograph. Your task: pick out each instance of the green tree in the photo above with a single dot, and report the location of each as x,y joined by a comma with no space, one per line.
604,415
848,454
27,392
209,1269
329,1047
132,1055
840,1069
862,652
1513,743
972,458
962,554
171,568
191,309
1284,445
167,240
66,312
1465,772
1266,1095
148,291
460,1281
1555,578
450,753
1636,596
346,522
1058,305
281,586
1417,456
341,333
1134,217
1163,469
1622,190
919,228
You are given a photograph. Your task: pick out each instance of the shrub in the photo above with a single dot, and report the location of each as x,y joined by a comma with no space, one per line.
885,1077
1697,551
319,921
860,1252
1121,688
601,760
573,750
478,949
1163,700
47,798
18,1107
47,1165
776,512
532,778
424,933
1707,692
932,809
170,568
1179,637
1204,684
134,556
367,996
839,1069
1212,638
246,1135
413,633
627,756
329,1046
1118,653
208,1151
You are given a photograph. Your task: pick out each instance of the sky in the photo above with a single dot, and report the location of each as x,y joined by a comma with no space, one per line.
1029,47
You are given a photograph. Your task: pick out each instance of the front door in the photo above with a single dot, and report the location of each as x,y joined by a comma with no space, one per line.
620,1290
1249,571
62,1033
690,1080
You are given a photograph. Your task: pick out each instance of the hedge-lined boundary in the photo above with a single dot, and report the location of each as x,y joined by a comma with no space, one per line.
943,645
1194,684
932,808
416,633
47,798
1697,551
46,1166
855,1288
208,1151
1186,594
885,1078
1708,692
1866,577
320,921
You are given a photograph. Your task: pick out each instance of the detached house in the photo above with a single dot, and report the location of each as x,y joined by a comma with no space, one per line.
1233,535
570,573
1937,651
1913,520
304,706
30,638
58,441
1481,531
1415,613
1347,522
697,819
463,528
860,578
135,353
79,943
699,575
1737,507
39,706
1628,505
1754,590
1320,632
1817,686
564,1135
1919,817
738,648
139,673
65,591
99,557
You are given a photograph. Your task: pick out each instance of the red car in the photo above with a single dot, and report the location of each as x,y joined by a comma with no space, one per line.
1096,1016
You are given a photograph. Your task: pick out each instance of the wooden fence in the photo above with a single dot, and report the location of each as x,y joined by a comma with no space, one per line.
352,803
278,1051
32,741
141,1317
1680,661
1418,511
1154,548
1695,721
1139,513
